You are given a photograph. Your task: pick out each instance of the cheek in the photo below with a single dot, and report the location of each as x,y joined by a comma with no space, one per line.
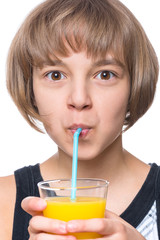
44,102
48,104
114,107
118,107
47,100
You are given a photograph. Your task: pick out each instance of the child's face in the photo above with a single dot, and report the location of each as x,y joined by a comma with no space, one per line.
82,92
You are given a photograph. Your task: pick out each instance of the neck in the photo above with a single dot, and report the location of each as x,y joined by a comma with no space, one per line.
107,165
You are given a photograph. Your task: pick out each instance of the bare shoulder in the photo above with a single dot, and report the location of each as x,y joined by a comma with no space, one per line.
7,203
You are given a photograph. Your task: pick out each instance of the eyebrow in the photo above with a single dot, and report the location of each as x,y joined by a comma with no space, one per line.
55,63
111,61
102,62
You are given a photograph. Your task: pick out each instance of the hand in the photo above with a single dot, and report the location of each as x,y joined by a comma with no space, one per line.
41,227
111,228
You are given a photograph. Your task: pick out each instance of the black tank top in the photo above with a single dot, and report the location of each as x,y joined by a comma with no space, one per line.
26,183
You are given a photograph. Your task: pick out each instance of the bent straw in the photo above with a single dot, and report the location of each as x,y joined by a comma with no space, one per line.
75,163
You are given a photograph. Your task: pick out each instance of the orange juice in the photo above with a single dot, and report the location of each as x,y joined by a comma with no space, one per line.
64,209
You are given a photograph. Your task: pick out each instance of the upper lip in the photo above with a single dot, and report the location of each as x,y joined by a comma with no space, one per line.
76,126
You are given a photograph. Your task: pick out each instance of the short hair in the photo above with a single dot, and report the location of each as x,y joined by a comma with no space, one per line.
96,26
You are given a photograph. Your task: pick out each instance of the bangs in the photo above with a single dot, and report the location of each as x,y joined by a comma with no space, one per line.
86,26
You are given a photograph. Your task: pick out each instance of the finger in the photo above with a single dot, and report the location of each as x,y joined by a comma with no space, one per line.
101,226
51,237
42,224
33,205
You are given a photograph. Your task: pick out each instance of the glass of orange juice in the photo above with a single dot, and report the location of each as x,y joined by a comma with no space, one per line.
90,201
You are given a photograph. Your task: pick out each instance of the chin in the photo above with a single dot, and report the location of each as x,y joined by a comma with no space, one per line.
83,155
88,156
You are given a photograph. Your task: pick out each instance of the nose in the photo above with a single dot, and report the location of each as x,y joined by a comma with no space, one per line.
79,97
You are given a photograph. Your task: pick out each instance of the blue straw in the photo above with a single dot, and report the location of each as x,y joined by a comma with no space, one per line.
75,163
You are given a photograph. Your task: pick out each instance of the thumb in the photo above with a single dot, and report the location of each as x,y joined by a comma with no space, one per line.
109,214
33,205
112,215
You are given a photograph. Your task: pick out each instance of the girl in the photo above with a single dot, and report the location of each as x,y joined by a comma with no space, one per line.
88,64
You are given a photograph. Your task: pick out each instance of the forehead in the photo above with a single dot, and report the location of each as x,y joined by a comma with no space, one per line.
81,58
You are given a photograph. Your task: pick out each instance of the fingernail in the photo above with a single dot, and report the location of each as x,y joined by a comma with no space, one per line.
72,226
71,238
62,228
41,203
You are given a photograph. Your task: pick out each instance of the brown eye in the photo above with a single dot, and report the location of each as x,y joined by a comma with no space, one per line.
105,75
55,76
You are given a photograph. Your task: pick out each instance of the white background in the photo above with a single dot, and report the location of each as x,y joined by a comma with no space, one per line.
20,145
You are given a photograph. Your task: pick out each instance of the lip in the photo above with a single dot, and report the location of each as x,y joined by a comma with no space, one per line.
85,129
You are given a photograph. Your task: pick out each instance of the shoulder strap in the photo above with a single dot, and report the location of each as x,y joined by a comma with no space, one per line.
36,177
26,183
157,187
157,192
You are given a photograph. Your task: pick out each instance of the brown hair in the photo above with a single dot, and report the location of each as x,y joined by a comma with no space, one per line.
97,26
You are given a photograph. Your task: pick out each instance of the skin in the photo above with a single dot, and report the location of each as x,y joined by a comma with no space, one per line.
85,99
83,95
